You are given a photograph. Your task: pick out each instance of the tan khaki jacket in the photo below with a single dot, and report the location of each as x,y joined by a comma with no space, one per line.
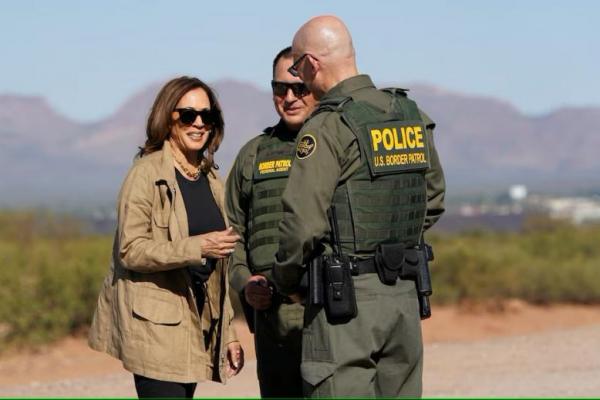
146,314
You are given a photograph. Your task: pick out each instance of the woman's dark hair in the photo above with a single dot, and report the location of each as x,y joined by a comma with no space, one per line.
160,121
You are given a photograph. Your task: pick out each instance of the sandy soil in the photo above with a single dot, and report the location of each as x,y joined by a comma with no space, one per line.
516,349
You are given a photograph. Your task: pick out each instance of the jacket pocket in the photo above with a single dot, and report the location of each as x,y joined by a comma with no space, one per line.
159,334
157,306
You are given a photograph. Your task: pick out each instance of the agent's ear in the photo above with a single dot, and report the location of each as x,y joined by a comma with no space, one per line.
315,64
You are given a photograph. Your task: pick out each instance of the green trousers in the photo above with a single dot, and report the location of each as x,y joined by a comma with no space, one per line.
278,344
377,354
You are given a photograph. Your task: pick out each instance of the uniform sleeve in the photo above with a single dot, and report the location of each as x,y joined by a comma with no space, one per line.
307,197
434,176
138,251
236,206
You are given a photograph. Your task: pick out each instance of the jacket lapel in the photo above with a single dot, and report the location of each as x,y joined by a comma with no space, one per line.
178,224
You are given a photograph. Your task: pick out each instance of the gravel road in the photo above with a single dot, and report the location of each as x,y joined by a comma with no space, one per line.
552,363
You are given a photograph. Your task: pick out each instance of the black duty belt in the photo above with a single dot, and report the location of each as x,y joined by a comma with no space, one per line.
363,266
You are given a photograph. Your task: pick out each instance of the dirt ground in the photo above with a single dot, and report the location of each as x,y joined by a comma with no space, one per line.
513,350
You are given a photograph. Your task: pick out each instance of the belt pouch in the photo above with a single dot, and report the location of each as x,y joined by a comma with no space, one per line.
340,299
388,262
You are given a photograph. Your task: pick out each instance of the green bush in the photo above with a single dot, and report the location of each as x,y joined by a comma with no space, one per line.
547,262
51,272
50,278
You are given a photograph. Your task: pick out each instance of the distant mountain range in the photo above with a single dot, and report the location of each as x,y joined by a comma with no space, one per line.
485,144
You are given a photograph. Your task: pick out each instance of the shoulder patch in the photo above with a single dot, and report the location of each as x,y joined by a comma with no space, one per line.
306,146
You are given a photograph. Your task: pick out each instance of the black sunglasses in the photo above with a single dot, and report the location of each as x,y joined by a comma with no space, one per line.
281,88
293,70
188,115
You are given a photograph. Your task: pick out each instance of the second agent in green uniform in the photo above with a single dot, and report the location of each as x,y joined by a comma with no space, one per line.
371,154
253,202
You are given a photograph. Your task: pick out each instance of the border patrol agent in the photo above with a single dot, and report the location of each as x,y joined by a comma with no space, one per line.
253,203
371,154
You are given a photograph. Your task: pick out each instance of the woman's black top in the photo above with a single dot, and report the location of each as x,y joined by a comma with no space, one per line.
203,216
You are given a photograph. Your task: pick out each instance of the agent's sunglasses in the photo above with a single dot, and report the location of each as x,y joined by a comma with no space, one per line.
187,116
281,88
293,70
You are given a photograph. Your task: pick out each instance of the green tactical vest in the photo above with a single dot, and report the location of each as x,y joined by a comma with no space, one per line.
385,200
271,170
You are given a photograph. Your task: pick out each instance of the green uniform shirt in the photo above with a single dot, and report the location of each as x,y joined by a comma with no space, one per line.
313,178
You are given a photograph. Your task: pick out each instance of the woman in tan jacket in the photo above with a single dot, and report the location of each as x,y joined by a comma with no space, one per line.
164,308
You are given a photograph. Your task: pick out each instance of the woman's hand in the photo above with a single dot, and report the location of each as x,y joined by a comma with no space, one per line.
218,244
235,358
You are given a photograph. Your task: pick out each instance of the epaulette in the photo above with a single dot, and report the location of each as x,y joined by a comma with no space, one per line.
393,91
334,104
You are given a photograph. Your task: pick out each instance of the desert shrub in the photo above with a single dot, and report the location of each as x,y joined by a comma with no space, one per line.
547,262
49,280
52,272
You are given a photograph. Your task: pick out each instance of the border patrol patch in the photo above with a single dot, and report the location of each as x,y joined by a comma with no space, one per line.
397,146
306,146
272,168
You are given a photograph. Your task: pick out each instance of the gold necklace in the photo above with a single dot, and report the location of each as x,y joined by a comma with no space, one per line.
193,172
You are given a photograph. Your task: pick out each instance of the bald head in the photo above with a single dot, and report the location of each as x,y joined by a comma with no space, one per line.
326,36
327,39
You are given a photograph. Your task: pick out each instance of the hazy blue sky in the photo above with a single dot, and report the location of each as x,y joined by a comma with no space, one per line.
87,57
